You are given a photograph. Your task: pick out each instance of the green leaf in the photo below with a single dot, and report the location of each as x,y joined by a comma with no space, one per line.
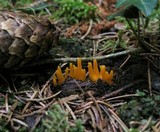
124,3
119,13
145,6
35,8
128,12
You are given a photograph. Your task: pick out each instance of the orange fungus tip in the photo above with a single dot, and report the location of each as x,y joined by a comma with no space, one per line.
58,77
71,70
79,63
95,67
66,73
92,72
83,75
54,80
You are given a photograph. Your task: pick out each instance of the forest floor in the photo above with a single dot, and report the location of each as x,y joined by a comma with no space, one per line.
30,102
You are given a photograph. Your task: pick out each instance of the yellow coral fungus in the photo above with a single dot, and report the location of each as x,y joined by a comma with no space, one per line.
93,71
78,73
78,70
79,63
109,77
105,76
83,75
66,73
54,80
95,67
59,75
75,72
71,70
102,71
92,75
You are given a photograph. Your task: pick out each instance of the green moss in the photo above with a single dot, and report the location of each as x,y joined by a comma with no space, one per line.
56,121
74,10
140,109
3,125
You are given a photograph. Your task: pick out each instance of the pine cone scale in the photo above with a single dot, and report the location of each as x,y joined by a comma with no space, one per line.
5,41
24,32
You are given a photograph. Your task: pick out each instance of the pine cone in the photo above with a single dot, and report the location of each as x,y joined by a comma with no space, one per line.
24,38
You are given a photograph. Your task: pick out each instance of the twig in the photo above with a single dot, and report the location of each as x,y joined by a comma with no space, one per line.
46,84
112,55
158,124
97,118
123,96
151,46
129,56
95,45
6,103
106,38
125,128
152,62
112,121
42,99
122,89
92,119
147,124
26,106
15,120
83,107
38,119
40,111
71,59
105,103
70,110
97,106
149,79
148,54
70,98
102,35
89,29
19,121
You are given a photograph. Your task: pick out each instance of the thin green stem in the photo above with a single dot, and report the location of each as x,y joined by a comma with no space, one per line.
138,26
132,28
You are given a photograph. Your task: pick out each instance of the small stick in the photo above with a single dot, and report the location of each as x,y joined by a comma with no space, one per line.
112,55
70,110
89,29
74,59
42,99
108,35
122,89
129,56
149,79
147,124
6,103
27,105
121,123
